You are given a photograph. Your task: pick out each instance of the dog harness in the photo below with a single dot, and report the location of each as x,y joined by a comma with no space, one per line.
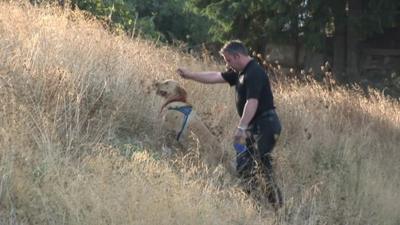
186,110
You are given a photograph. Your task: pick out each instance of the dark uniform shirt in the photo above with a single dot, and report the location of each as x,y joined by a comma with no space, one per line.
252,82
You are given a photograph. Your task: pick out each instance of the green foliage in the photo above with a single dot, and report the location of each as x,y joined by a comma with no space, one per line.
293,21
378,15
166,20
120,15
254,22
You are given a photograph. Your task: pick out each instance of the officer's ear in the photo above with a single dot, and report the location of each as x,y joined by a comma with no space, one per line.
236,55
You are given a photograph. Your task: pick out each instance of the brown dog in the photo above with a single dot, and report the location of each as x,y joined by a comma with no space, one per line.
180,122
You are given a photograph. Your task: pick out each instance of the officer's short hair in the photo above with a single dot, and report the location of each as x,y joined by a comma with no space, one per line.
234,47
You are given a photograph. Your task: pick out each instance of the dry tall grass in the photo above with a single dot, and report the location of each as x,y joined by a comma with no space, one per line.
79,128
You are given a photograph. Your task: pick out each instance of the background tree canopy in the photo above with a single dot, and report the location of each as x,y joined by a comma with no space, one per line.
286,21
331,27
165,20
254,22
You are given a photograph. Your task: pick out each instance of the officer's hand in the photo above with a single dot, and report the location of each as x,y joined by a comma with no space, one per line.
183,72
240,136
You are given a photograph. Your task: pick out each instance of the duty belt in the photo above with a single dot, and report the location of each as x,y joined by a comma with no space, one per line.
269,112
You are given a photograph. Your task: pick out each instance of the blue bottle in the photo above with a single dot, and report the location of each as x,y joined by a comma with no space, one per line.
240,148
242,156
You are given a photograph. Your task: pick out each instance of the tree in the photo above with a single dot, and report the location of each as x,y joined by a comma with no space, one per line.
354,21
302,22
165,20
254,22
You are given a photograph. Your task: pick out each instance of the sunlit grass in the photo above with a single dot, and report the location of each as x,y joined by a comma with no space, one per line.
80,126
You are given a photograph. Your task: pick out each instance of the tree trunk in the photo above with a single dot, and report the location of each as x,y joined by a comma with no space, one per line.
339,40
353,37
339,51
297,45
260,46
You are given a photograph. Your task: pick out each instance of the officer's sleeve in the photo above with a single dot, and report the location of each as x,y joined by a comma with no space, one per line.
230,76
254,84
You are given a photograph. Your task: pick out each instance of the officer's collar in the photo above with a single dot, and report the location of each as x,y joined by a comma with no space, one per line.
247,66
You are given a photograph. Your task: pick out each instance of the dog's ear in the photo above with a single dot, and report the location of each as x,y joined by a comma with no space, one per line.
181,92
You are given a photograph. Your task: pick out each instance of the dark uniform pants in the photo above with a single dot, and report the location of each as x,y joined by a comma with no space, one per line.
255,167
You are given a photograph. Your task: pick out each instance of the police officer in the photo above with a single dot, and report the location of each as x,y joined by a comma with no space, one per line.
259,125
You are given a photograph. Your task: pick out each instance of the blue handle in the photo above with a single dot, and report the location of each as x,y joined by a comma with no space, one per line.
240,148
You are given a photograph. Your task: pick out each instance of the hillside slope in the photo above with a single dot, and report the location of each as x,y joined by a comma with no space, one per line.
79,128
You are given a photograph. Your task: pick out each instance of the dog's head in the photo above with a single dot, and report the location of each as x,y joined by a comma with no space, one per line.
169,89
